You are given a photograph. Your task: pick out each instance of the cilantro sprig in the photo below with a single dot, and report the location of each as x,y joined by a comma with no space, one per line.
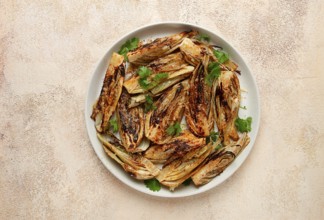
213,136
113,124
203,37
214,72
144,80
149,104
243,125
222,56
153,184
174,130
129,45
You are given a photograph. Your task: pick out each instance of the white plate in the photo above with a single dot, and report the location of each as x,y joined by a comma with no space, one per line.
250,99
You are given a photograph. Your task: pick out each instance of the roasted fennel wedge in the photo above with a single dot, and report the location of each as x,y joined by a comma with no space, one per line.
130,124
158,48
217,162
169,110
110,93
227,98
179,170
199,109
170,67
136,165
178,146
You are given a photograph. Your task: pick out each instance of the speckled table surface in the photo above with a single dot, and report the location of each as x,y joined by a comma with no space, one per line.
48,51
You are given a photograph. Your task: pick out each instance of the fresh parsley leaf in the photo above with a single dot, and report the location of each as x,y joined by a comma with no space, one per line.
144,83
158,77
218,147
212,66
203,37
149,104
222,56
174,130
213,136
243,125
187,182
153,184
129,45
113,124
144,72
214,72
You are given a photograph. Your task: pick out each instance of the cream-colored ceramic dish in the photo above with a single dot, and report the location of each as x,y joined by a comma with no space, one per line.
250,99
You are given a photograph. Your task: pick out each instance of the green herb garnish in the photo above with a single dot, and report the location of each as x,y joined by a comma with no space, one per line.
158,77
153,184
113,124
222,56
218,147
149,104
243,107
214,72
144,82
129,45
213,136
174,130
203,37
187,182
243,125
144,72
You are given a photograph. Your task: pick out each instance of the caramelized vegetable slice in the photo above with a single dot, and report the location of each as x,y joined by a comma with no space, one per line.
135,164
130,123
179,170
171,66
178,145
157,48
217,162
199,112
226,98
193,53
110,93
169,110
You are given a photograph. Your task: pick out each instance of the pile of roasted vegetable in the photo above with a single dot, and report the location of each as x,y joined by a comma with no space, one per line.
159,104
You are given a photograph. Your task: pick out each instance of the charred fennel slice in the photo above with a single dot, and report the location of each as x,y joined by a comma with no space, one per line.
174,119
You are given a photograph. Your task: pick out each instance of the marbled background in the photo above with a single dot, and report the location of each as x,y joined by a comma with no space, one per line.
48,51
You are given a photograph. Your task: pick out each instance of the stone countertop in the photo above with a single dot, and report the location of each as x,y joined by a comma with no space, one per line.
48,51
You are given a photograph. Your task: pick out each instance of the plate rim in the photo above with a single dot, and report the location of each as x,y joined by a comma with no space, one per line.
144,189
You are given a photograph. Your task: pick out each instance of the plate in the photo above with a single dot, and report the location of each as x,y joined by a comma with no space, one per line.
250,99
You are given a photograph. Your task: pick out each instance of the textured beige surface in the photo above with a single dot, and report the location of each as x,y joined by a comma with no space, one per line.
48,51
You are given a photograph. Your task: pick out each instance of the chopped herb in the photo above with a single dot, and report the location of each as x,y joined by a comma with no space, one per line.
153,184
113,124
243,125
218,147
129,45
144,83
158,77
144,72
214,72
174,130
212,137
222,56
203,37
187,182
243,107
149,104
